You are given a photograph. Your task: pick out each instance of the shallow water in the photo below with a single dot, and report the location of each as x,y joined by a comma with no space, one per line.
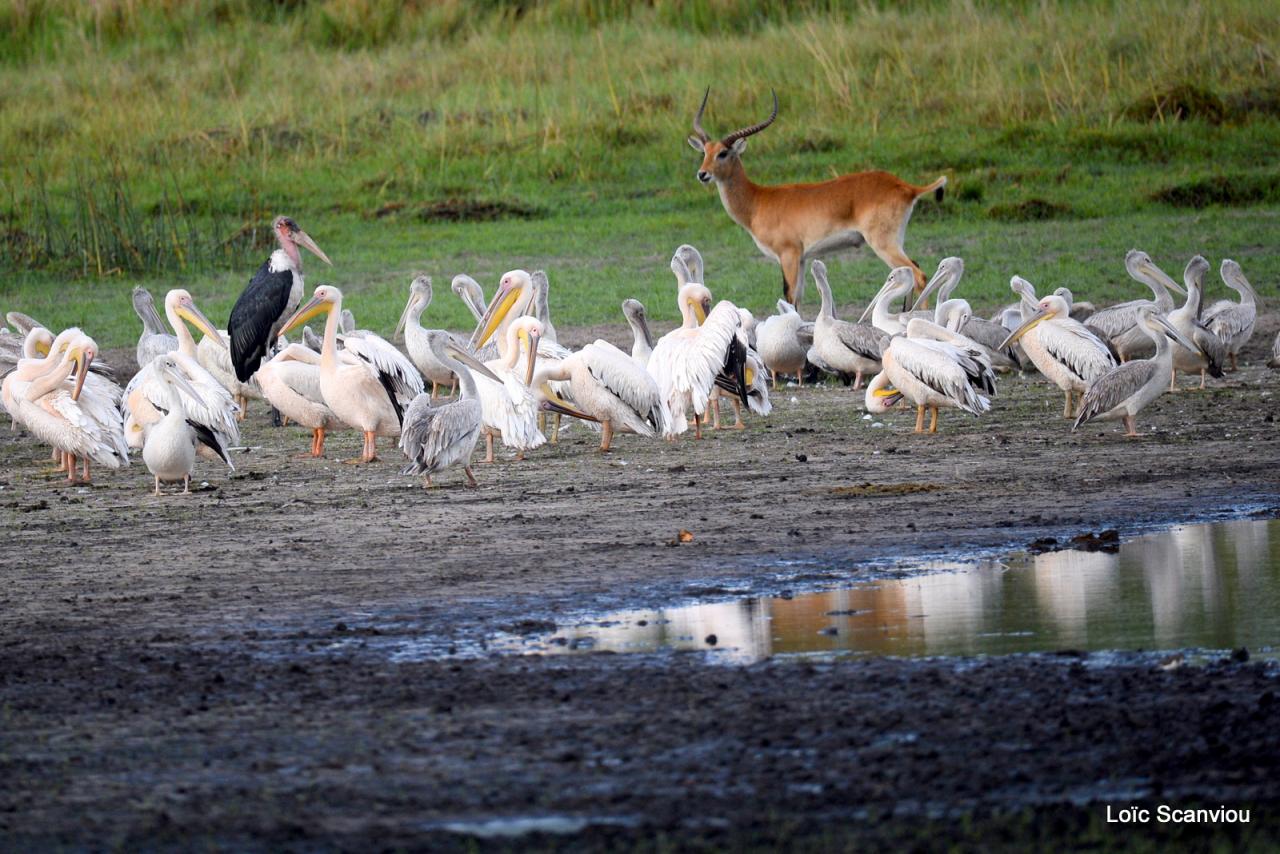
1212,586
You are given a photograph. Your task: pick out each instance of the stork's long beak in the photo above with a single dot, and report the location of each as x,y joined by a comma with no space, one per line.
552,403
309,310
1027,325
472,363
304,240
493,316
533,359
82,360
196,318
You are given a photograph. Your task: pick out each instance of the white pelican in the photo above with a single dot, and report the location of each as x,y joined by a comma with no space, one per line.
848,348
170,451
694,270
985,333
438,436
77,421
927,367
542,306
944,281
687,360
1064,350
610,387
271,296
38,355
1210,352
291,383
509,405
783,340
369,383
155,340
641,338
1233,321
15,348
1126,389
1118,323
213,409
416,339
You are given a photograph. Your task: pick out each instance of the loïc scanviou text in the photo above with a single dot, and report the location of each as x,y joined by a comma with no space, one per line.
1165,814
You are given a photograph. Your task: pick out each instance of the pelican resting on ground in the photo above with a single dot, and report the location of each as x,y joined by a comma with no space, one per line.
1118,324
1126,389
850,348
170,449
155,340
1233,321
368,384
416,338
933,368
290,381
1210,352
1064,350
271,296
438,436
212,408
687,360
783,341
641,338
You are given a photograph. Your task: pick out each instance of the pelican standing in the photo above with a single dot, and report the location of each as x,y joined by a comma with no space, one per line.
1231,321
783,341
849,348
1118,323
611,387
924,366
510,408
155,340
1126,389
1064,350
290,381
417,339
213,409
438,436
170,449
641,338
984,333
368,385
1209,353
272,295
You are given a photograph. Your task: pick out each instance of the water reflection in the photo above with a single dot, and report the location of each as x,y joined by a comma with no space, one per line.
1212,586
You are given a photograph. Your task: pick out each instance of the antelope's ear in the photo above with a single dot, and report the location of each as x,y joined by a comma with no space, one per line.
694,143
739,146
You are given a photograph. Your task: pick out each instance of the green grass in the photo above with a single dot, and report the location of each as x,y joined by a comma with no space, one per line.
151,141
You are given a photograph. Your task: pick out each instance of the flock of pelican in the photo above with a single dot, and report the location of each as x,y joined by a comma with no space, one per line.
514,381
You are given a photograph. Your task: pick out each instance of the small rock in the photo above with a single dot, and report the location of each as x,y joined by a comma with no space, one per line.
711,640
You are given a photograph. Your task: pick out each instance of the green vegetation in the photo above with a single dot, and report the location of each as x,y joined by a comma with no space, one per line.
152,140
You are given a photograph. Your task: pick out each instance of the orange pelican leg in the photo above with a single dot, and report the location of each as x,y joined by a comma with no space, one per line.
737,411
919,418
933,419
606,435
471,478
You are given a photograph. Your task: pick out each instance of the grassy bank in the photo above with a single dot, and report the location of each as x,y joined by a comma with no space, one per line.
152,141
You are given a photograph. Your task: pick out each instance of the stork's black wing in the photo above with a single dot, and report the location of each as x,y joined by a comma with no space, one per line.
257,311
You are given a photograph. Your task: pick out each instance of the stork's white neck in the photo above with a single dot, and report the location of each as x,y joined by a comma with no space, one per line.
280,261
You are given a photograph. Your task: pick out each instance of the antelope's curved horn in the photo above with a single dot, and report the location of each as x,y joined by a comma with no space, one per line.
753,129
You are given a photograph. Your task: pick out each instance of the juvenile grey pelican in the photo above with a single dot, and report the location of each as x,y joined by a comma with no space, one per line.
438,436
1210,352
170,449
687,360
155,339
1126,389
641,338
1065,351
270,297
610,387
1080,310
471,294
850,348
416,338
542,305
985,333
1231,321
290,381
369,383
1118,323
783,340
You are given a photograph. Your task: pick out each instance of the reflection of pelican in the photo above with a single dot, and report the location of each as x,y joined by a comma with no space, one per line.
369,383
783,340
436,437
1231,321
154,340
416,340
1126,389
849,348
642,338
170,451
1119,323
291,383
1207,352
612,388
1064,350
213,409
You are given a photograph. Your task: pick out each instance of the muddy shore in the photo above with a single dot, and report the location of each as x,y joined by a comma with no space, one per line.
196,669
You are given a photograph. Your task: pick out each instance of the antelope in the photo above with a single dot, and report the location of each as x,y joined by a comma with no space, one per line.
795,223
